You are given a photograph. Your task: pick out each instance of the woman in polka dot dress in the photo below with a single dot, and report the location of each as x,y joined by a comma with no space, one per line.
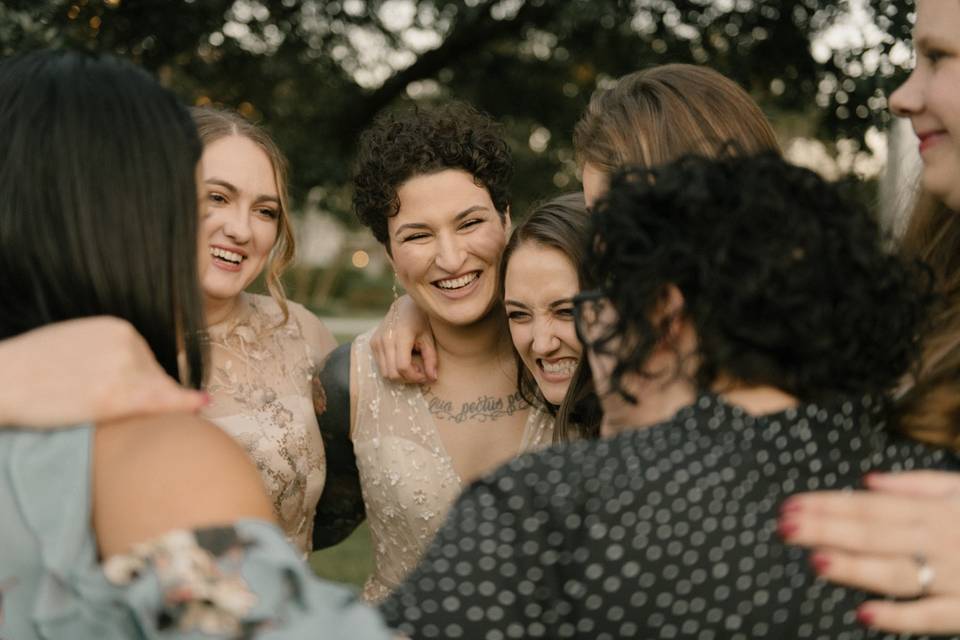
741,367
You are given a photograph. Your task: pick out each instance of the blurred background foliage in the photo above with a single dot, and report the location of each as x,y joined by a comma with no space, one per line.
316,72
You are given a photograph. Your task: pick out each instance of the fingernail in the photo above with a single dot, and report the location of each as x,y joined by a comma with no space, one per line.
790,505
786,528
820,563
865,616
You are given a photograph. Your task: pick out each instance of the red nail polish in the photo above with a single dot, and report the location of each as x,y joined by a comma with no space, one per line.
865,616
790,505
786,528
820,563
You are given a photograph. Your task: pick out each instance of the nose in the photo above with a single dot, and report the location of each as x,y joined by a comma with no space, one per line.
450,253
237,226
907,100
545,340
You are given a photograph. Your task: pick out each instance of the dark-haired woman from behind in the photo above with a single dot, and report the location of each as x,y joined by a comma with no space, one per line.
144,526
734,368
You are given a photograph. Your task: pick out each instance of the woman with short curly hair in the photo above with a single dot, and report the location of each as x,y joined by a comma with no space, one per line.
433,186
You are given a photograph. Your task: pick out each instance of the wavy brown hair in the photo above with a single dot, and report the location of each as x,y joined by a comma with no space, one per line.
929,409
654,116
214,124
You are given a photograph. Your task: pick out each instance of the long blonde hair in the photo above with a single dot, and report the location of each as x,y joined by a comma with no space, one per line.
929,410
214,124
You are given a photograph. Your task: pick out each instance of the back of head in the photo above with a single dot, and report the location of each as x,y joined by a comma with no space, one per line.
99,214
657,115
418,141
785,282
214,124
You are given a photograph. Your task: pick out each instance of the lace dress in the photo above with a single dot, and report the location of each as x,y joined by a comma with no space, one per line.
408,479
261,381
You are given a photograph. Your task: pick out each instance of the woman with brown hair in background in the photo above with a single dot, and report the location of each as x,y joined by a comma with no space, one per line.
901,539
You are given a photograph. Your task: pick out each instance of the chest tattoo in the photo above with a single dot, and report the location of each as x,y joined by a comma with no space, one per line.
483,409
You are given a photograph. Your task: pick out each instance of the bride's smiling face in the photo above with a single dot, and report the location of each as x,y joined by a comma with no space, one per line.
445,244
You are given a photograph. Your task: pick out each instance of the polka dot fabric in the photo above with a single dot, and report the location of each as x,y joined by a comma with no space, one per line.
666,532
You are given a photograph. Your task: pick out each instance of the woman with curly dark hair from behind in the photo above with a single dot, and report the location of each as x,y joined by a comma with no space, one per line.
746,325
433,186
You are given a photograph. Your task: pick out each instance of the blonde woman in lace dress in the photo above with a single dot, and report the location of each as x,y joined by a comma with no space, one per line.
263,350
432,186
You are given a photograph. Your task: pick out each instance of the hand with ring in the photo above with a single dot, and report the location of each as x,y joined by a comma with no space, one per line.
900,539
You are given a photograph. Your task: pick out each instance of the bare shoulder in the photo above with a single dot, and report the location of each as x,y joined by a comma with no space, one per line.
157,473
314,331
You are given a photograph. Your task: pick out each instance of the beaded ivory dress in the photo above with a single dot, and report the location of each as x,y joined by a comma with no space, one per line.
261,382
408,479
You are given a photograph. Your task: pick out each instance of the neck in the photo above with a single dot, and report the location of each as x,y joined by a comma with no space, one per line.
757,400
219,310
657,400
473,345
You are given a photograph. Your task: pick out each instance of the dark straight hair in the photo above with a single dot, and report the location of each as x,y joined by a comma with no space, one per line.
99,209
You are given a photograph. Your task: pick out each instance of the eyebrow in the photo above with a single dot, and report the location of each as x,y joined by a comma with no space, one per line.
552,305
232,189
460,216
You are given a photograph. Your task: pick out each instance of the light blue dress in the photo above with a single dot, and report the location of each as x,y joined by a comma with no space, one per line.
241,581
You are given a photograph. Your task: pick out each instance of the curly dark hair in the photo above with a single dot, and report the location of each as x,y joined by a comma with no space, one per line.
422,140
785,281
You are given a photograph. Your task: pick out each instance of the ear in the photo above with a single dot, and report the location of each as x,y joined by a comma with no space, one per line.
507,223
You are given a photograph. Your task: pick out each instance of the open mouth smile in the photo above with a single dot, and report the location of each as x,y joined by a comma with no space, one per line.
460,282
226,258
557,368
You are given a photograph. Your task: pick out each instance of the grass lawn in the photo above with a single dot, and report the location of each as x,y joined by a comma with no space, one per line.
351,561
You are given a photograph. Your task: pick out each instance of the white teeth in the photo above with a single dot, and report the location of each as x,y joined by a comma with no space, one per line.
567,366
229,256
457,283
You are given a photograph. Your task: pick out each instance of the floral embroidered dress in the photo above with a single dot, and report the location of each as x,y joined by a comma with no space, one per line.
408,479
261,381
238,581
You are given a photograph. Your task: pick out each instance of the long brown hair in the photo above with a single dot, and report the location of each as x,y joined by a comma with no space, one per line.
654,116
929,409
214,124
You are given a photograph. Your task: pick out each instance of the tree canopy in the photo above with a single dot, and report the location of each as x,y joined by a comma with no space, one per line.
316,72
